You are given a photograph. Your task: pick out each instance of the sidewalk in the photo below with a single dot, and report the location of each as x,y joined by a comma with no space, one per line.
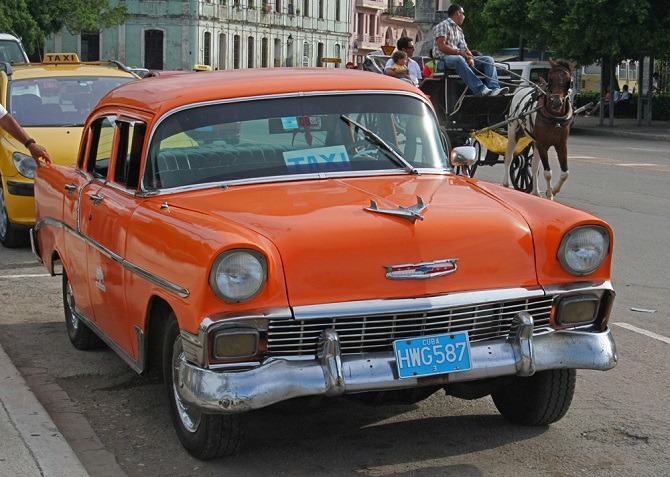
623,127
31,445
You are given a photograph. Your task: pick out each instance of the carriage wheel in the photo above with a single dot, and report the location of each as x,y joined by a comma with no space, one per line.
520,171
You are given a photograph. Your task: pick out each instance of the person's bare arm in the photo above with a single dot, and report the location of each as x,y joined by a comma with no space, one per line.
9,124
444,47
396,73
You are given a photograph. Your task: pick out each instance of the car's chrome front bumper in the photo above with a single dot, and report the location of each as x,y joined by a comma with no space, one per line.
332,374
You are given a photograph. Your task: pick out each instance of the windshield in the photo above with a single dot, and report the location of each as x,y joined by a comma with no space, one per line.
11,51
290,137
58,101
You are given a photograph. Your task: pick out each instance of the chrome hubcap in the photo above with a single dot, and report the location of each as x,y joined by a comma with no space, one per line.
69,297
190,418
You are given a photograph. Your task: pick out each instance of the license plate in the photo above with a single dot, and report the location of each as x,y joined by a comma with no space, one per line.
430,355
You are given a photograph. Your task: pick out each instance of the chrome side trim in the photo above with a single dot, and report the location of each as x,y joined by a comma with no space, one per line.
138,366
148,276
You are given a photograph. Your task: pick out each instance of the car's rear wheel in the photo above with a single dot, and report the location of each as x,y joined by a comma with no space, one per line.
10,235
80,335
538,400
205,436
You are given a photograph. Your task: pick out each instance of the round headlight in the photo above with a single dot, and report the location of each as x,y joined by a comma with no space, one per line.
26,165
583,249
238,275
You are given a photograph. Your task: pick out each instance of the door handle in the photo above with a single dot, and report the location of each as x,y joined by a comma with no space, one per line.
70,188
97,198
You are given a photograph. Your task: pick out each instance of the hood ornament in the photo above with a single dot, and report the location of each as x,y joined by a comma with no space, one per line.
421,271
408,213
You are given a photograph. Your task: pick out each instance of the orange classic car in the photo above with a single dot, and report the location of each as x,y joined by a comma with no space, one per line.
331,251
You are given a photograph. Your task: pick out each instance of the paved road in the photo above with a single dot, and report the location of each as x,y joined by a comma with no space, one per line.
618,425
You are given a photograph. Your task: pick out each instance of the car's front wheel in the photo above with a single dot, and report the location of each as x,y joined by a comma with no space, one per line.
204,436
10,235
80,335
538,400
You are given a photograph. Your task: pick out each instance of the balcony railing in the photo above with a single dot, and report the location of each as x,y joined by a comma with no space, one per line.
406,12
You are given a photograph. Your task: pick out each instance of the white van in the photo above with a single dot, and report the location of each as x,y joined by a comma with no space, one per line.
533,71
11,49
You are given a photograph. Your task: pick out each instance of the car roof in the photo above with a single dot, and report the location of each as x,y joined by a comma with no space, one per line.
168,92
40,70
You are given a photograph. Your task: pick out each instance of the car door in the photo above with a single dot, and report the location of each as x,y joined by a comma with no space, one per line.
105,212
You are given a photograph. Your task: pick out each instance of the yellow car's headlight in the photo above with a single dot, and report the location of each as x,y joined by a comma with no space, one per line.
238,275
26,165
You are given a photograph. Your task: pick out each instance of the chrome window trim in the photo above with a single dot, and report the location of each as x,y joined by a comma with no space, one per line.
139,271
295,178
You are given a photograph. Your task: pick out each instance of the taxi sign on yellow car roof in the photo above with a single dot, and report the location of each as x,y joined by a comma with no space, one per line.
61,58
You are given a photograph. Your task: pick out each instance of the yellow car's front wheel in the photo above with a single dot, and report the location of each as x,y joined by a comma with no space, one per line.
11,236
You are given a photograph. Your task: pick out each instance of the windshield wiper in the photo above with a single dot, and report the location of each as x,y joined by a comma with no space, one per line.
394,157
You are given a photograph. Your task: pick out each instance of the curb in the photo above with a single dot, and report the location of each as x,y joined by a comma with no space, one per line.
29,432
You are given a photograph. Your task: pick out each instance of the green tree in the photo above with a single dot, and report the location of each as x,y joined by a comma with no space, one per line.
582,30
33,20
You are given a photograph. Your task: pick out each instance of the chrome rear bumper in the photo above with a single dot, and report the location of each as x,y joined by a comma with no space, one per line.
331,374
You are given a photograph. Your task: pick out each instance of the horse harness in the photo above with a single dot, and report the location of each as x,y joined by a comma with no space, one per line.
536,102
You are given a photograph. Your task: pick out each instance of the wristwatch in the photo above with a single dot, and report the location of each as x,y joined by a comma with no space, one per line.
29,142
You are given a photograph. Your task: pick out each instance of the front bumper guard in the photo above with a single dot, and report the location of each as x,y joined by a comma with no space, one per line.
332,374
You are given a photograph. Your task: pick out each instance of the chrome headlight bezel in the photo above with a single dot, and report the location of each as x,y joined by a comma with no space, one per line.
25,165
584,249
238,275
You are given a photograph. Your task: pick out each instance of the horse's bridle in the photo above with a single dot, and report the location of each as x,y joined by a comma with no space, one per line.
544,112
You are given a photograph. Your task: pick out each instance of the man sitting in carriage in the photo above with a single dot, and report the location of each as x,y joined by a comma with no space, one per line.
451,50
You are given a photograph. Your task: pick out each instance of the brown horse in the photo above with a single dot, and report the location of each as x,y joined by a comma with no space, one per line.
548,125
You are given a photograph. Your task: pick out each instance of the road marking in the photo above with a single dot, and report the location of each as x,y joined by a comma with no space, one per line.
642,331
635,164
34,275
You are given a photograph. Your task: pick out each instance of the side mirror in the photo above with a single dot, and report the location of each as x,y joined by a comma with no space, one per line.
462,159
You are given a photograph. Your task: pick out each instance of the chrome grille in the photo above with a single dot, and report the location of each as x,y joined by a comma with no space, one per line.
376,333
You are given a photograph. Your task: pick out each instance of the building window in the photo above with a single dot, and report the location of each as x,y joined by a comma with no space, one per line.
277,6
90,47
321,9
290,7
337,11
305,8
264,53
236,52
153,49
277,53
207,50
250,52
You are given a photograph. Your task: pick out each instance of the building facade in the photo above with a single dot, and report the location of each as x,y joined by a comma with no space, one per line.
380,22
224,34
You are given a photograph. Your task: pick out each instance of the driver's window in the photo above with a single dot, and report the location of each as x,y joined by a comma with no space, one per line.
101,147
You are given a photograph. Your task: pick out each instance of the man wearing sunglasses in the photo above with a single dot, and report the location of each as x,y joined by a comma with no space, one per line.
405,44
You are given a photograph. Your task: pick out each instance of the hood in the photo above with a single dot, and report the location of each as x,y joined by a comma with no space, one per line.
62,143
333,249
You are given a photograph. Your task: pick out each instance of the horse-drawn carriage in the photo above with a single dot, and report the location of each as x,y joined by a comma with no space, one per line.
491,123
479,121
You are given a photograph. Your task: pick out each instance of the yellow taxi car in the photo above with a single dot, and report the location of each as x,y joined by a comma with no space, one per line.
51,100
